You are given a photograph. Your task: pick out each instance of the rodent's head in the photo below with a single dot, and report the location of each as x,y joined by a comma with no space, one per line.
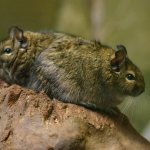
128,78
15,43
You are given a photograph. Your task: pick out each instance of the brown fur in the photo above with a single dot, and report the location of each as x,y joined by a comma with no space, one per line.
69,68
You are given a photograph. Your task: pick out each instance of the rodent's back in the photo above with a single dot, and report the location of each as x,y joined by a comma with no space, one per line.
75,69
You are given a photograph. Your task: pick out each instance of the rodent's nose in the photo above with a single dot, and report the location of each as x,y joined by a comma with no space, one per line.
141,90
141,87
138,90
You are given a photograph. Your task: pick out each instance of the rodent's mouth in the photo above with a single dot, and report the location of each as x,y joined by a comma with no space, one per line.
137,91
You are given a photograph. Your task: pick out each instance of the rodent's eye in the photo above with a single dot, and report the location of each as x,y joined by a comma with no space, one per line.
7,50
130,76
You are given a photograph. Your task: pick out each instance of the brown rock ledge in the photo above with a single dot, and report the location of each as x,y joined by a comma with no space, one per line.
31,121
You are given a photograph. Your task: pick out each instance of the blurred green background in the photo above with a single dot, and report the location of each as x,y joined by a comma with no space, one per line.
113,22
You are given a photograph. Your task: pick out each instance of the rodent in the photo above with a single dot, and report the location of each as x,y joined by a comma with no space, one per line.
69,68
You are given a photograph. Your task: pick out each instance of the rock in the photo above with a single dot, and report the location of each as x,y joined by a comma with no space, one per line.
31,121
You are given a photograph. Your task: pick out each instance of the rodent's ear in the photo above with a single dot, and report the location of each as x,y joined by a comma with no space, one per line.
120,57
121,47
15,33
18,34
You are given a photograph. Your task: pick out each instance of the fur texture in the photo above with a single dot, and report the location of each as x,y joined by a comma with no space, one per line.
69,68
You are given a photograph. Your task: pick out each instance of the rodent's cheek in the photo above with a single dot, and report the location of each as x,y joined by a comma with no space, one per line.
127,89
6,58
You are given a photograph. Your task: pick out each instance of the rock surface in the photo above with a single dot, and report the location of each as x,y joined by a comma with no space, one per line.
31,121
